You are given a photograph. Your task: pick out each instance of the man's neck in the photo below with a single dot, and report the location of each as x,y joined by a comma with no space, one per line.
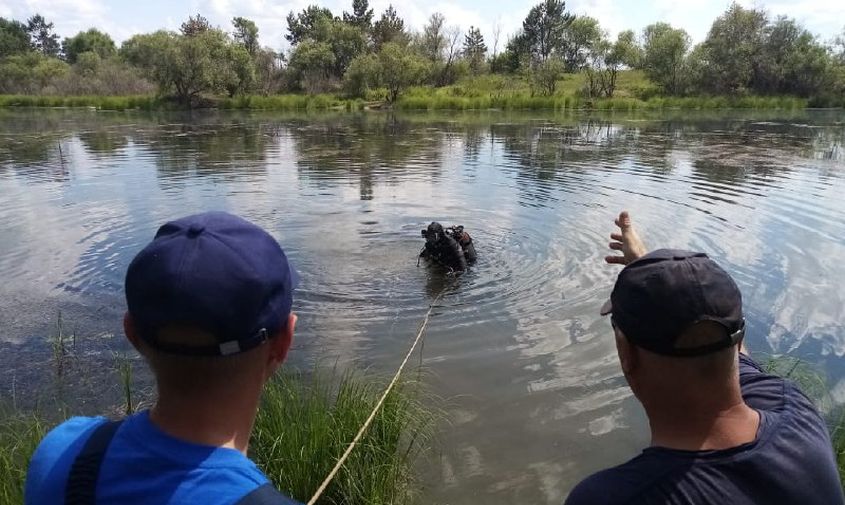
693,428
221,421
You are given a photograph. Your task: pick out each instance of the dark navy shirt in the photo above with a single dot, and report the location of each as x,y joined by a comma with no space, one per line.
790,462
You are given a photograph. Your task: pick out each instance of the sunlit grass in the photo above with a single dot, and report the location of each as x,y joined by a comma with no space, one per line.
304,426
19,436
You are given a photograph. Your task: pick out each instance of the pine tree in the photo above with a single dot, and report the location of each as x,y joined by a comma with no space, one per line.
42,36
362,15
474,48
195,25
389,28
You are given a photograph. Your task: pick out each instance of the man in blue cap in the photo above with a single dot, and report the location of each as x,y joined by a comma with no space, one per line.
722,430
209,308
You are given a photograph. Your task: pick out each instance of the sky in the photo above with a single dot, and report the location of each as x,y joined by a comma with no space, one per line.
121,19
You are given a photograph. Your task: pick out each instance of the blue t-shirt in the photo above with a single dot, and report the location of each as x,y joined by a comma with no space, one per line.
790,462
143,465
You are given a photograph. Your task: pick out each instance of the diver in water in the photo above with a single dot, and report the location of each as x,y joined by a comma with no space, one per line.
451,247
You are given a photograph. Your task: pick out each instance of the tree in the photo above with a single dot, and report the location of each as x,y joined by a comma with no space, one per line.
474,49
246,33
42,37
734,46
400,68
497,32
389,28
543,29
630,54
839,47
448,74
195,26
143,50
544,75
312,66
29,72
361,17
93,41
433,38
303,25
364,74
581,38
664,49
604,61
14,38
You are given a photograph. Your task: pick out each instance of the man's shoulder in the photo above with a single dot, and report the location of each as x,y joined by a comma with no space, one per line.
616,485
52,458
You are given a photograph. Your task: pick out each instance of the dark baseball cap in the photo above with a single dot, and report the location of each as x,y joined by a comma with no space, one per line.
216,272
662,294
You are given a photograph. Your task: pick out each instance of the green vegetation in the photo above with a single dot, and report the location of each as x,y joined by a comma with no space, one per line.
19,436
303,427
339,61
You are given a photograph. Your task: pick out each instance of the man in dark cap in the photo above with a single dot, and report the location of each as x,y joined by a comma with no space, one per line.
722,430
209,308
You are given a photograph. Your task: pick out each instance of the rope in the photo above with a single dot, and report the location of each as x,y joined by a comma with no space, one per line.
369,420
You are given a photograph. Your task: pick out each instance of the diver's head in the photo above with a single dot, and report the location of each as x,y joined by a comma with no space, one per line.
434,232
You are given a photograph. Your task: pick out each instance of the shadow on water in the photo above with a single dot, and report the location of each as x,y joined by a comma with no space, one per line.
516,343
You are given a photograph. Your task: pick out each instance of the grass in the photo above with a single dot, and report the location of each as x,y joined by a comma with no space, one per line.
634,91
19,436
304,426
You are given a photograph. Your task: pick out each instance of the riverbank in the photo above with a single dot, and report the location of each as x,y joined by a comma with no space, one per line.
413,102
304,425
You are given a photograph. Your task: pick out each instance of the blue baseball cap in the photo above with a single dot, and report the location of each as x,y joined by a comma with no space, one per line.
660,295
216,272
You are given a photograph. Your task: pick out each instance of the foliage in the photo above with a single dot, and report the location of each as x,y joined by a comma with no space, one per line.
303,26
19,436
400,68
14,37
246,34
604,62
29,72
44,40
733,45
93,41
389,28
664,51
195,26
361,17
364,74
303,427
432,41
545,75
582,37
474,49
543,30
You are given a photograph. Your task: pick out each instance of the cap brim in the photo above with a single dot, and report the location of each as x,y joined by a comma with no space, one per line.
606,308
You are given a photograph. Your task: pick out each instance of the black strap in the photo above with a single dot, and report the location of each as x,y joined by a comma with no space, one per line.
82,481
266,495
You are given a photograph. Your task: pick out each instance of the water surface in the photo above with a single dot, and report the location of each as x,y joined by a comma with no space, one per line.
516,348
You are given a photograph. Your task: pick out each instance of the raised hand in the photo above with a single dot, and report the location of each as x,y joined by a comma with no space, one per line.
626,240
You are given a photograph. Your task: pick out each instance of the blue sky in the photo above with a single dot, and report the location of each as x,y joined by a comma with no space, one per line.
124,18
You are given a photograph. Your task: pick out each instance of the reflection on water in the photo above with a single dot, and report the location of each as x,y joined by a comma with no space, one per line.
517,347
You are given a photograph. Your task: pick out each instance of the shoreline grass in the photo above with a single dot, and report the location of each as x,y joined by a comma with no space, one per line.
416,101
303,426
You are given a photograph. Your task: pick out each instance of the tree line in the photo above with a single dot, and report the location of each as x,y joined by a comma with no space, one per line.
359,54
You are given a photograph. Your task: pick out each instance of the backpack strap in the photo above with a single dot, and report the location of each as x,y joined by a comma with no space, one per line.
81,484
266,495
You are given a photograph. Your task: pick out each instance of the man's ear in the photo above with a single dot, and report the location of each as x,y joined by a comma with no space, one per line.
280,344
132,332
628,358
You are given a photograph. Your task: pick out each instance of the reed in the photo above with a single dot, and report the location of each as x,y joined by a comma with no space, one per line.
304,426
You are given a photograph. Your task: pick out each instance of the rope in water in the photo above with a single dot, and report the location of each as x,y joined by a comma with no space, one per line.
369,420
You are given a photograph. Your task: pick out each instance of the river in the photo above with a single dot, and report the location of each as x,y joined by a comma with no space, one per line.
525,366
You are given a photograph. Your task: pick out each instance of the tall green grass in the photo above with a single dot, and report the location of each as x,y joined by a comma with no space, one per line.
19,436
304,426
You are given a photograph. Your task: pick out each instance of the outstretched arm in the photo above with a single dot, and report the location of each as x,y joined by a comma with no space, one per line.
626,240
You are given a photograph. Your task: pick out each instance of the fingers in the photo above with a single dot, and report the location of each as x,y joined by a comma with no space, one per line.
616,236
615,260
616,246
624,220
